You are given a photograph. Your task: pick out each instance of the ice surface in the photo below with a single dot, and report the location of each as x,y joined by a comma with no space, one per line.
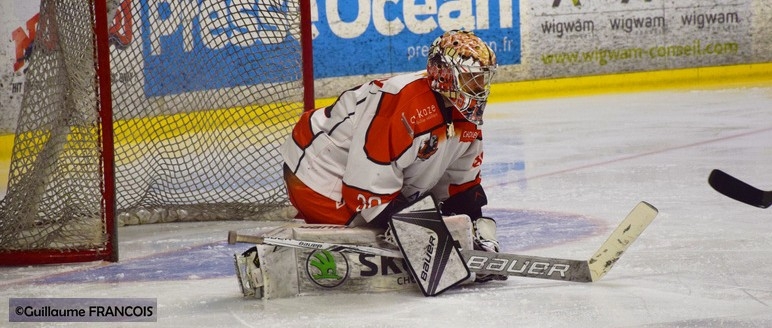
560,174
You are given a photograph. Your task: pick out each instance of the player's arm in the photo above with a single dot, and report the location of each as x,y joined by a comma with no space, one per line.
460,191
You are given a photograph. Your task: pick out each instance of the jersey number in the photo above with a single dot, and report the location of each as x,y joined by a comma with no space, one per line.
367,202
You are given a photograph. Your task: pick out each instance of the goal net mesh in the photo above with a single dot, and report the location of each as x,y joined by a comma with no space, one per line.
203,94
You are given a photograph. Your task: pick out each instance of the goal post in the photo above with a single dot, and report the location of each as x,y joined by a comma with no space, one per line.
138,112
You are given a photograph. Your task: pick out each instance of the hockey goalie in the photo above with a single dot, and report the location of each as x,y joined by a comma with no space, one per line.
353,168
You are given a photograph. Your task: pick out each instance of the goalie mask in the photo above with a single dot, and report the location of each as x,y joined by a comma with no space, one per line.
461,67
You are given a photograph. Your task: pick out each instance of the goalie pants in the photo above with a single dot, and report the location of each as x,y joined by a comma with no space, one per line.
312,206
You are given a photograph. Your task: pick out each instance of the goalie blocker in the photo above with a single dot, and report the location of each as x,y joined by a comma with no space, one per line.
430,252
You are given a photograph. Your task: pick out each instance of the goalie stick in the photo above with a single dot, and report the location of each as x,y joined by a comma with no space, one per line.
510,264
234,237
740,191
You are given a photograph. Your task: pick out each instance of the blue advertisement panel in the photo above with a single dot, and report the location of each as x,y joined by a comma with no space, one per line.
356,37
216,44
227,43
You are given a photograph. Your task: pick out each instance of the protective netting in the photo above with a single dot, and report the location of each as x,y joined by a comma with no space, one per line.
203,94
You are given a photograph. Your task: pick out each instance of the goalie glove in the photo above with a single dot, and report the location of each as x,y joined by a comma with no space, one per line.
485,235
469,202
485,240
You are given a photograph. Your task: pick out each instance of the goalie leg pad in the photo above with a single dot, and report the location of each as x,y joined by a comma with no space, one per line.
266,271
288,272
461,229
246,269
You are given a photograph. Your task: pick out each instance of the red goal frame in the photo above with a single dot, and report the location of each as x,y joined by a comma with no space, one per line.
102,55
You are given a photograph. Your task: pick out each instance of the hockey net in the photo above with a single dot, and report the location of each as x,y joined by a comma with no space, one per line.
202,95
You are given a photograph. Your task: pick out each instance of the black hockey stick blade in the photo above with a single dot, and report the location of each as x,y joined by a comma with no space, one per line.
740,191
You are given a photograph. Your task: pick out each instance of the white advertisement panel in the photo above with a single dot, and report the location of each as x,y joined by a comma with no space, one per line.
18,22
589,37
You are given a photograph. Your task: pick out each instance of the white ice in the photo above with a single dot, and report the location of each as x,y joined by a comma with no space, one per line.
560,175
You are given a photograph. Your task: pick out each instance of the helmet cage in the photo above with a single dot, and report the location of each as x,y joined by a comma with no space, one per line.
460,69
467,87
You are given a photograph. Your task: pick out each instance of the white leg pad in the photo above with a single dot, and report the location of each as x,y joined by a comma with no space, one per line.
279,274
460,227
462,230
288,272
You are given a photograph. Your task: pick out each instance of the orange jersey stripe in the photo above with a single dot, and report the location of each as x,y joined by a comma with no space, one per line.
455,189
399,118
302,134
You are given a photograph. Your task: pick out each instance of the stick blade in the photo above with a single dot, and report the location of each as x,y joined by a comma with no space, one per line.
621,239
738,190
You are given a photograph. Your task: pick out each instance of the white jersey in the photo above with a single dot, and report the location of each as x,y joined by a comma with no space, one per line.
384,138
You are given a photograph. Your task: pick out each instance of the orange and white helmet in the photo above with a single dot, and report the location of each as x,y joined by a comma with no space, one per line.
461,67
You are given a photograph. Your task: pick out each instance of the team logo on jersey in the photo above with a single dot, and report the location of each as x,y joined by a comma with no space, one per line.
327,269
429,147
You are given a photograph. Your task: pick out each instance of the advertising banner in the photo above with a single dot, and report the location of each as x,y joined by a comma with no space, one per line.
196,45
215,44
188,49
588,37
388,36
18,24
